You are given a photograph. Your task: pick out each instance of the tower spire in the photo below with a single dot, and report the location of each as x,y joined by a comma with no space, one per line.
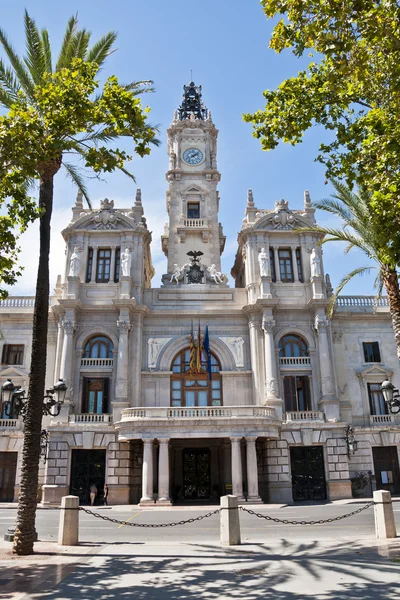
192,103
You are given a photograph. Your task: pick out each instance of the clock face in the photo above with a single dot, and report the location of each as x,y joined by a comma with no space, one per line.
193,156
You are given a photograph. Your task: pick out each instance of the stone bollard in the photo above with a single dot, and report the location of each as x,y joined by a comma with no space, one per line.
68,532
229,521
385,526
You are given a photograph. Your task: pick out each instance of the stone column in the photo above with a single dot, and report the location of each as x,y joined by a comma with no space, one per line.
59,350
236,460
256,352
121,385
276,259
163,472
112,265
252,471
329,401
147,472
67,356
294,262
271,370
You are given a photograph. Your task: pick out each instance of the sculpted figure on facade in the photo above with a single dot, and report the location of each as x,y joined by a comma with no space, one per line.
315,262
215,275
177,274
155,345
264,263
235,345
75,263
272,388
126,262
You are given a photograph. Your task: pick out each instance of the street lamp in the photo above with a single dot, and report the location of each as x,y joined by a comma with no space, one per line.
351,442
13,399
391,396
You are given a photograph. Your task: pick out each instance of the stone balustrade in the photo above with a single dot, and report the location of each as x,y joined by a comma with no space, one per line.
206,412
194,223
294,361
86,418
305,415
11,424
381,419
97,362
18,302
361,301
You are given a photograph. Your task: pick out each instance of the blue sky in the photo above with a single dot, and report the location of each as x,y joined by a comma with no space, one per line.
225,44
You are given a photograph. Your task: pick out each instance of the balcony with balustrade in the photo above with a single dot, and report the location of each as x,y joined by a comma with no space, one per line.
11,425
207,421
363,304
191,225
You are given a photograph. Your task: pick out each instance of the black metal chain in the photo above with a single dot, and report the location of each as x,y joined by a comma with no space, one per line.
99,516
320,522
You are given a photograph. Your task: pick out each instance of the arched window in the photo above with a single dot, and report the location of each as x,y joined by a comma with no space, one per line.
99,346
191,389
292,346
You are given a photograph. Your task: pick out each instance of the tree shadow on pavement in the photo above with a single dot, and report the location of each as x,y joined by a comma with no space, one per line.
281,571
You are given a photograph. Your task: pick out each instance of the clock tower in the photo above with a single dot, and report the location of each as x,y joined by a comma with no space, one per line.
192,196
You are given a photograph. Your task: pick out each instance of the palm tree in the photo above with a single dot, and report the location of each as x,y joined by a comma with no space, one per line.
19,81
362,230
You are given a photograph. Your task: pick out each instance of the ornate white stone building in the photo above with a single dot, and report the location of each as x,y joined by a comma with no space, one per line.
271,422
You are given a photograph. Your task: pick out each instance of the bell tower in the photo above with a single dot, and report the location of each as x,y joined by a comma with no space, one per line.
192,196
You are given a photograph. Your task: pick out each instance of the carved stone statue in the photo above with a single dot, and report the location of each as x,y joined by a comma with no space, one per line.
215,275
126,262
155,345
235,345
177,274
315,262
75,263
264,263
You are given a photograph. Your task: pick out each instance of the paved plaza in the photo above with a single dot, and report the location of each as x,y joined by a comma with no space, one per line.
334,561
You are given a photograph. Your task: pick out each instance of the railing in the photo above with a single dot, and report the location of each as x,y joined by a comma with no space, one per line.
195,222
90,418
295,361
18,302
380,419
305,415
370,301
10,424
206,412
97,362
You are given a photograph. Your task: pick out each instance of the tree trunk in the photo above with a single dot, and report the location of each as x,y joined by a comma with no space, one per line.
25,530
391,283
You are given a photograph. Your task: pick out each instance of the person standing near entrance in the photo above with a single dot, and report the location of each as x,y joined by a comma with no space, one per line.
105,494
93,493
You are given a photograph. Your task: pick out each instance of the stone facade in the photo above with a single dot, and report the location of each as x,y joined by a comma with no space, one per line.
270,423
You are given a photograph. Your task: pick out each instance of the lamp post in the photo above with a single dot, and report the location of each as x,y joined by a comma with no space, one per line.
351,442
13,399
391,396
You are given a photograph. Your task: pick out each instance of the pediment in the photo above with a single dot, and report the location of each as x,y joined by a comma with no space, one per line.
103,220
12,373
282,220
374,371
194,189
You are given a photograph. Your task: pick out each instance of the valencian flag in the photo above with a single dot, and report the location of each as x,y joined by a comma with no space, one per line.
192,350
198,351
206,346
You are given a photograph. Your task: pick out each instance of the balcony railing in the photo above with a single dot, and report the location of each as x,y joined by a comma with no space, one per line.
90,418
305,415
18,302
97,362
295,361
206,412
10,424
195,223
381,419
360,301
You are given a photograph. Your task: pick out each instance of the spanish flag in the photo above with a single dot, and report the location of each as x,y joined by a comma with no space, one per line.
192,349
199,349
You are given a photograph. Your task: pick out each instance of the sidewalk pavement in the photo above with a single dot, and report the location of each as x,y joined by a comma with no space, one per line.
335,569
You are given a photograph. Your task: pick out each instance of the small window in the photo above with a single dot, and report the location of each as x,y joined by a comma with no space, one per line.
285,266
371,352
272,264
297,393
377,404
103,265
193,210
13,354
291,346
89,268
299,268
95,395
117,264
99,346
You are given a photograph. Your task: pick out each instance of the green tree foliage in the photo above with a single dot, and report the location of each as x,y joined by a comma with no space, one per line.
351,88
52,113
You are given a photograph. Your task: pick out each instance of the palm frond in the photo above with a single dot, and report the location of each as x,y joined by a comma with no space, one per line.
20,71
6,99
82,44
68,36
34,60
335,208
140,87
342,283
128,173
8,81
101,49
48,62
75,176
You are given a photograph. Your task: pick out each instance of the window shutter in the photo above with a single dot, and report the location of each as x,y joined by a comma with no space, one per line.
376,352
106,388
84,394
4,354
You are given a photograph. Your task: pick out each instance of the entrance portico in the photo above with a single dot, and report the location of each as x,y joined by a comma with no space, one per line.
198,453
